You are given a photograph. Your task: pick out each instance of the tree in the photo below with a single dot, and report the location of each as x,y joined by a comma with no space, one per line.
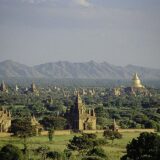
53,122
101,112
11,152
96,153
84,143
43,150
158,110
50,134
54,155
145,147
112,135
67,153
23,129
102,122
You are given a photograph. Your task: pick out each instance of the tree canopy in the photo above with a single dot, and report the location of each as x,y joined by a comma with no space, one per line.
10,152
145,147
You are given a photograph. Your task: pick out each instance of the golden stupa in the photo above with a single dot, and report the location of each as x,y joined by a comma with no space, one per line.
136,81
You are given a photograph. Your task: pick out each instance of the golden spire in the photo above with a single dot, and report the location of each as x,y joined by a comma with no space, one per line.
136,81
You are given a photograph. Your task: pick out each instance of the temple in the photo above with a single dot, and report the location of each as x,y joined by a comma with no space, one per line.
114,126
136,81
80,118
5,120
34,89
3,87
37,126
137,87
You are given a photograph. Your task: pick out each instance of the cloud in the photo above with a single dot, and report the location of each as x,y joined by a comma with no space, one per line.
34,1
84,3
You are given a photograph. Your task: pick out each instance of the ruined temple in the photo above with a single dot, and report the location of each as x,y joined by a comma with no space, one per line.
5,120
33,89
3,87
114,126
80,117
38,127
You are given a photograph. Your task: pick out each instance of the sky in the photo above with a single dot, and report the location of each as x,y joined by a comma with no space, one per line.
120,32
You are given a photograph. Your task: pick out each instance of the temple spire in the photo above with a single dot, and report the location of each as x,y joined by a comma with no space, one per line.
136,81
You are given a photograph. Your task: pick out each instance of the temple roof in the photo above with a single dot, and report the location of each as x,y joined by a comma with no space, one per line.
135,77
78,103
137,81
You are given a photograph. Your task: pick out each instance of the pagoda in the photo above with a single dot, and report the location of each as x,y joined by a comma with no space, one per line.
3,87
136,81
80,117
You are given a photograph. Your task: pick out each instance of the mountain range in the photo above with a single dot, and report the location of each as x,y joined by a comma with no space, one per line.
85,70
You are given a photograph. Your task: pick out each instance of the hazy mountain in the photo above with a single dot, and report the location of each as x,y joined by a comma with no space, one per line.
86,70
10,68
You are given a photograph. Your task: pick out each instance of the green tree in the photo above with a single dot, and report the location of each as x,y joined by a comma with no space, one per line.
112,135
84,143
43,150
10,152
145,147
53,122
50,134
96,153
23,129
101,112
102,122
54,155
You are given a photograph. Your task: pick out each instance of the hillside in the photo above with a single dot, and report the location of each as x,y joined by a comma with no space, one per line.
85,70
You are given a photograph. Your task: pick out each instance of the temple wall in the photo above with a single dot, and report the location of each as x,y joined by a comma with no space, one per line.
5,134
69,132
135,130
57,132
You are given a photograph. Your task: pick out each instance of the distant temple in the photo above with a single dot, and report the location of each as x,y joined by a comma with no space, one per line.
137,87
33,89
80,118
114,126
136,82
116,91
38,127
3,87
5,120
16,88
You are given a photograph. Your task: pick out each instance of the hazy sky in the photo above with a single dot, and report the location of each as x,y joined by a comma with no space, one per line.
120,32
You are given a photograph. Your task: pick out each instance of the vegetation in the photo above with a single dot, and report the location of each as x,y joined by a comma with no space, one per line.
50,134
114,151
85,144
23,129
49,108
112,135
145,147
58,123
10,152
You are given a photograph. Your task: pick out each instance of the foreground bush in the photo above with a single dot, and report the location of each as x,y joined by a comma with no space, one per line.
145,147
10,152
